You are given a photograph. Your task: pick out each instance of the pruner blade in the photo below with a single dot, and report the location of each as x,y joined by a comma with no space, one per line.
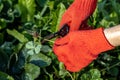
61,33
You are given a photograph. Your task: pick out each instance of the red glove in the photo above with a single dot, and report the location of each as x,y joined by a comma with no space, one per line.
79,11
79,48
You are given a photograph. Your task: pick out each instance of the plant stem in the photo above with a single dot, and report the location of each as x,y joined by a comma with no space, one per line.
50,75
70,76
47,22
46,39
49,40
44,9
111,66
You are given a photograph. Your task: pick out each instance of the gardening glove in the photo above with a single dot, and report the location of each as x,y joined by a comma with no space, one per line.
77,14
79,48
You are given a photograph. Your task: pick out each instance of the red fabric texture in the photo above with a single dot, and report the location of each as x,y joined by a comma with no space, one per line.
77,13
79,48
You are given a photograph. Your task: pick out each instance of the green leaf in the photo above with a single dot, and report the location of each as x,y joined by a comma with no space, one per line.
3,59
38,48
31,72
29,45
1,38
119,57
56,16
107,23
41,3
18,48
40,60
10,16
17,35
114,71
19,64
93,74
114,17
46,48
61,11
27,9
51,5
30,52
62,71
33,47
7,47
2,24
4,76
1,7
17,11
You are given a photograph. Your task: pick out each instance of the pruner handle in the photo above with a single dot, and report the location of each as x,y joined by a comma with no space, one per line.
64,30
61,33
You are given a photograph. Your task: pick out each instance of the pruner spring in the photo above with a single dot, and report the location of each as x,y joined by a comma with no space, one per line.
61,33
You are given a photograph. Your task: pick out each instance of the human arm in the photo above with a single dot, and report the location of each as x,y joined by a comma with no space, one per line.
113,35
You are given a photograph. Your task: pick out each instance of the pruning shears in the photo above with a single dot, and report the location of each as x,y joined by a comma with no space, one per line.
61,33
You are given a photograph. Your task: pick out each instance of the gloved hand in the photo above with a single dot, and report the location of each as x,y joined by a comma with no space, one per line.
79,48
77,14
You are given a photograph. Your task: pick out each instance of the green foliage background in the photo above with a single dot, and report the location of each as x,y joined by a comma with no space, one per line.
24,23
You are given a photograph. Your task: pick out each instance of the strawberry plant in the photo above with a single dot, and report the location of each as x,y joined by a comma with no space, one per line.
25,23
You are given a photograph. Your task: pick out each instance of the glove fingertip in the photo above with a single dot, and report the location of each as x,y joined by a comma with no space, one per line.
62,41
73,69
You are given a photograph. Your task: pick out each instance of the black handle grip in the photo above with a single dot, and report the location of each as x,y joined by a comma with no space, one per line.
62,32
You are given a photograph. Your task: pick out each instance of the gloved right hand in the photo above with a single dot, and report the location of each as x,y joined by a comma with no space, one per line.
78,13
79,48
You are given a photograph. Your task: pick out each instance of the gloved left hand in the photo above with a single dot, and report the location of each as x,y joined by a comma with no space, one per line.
77,14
